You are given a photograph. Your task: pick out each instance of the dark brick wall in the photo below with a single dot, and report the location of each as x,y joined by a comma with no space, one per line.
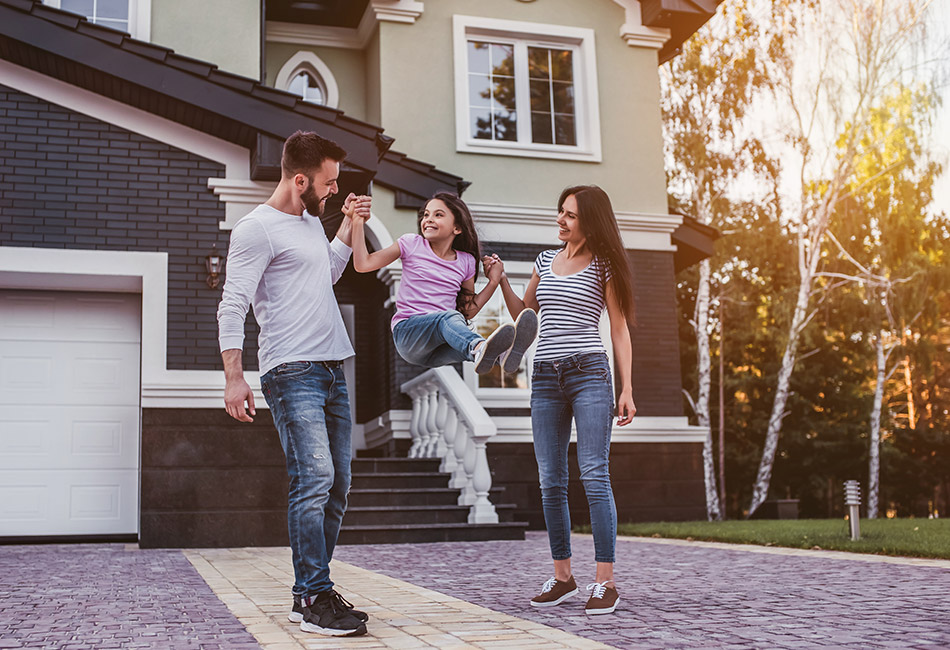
70,181
651,482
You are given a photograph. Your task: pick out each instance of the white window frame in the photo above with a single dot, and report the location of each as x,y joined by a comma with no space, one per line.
522,34
140,17
307,61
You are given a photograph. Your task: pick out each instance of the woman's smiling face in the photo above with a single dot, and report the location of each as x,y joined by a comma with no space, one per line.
569,226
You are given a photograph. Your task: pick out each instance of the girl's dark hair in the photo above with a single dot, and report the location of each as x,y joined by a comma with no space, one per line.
599,225
466,241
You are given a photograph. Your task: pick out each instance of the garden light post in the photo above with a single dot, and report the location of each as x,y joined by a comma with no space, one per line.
852,499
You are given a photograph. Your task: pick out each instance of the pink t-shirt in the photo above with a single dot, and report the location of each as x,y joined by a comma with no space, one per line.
429,283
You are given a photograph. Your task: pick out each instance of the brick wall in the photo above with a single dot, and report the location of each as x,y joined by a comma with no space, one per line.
70,181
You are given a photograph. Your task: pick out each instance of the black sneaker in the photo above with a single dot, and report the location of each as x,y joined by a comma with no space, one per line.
296,611
326,616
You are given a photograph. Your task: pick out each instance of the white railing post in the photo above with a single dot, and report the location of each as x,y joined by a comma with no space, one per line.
448,441
450,423
414,430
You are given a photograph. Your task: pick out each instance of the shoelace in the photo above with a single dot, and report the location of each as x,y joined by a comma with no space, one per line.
548,586
597,589
340,600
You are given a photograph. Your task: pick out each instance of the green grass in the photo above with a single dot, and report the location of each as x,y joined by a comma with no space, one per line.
908,537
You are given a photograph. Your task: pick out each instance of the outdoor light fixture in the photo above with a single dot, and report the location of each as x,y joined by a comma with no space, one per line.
213,265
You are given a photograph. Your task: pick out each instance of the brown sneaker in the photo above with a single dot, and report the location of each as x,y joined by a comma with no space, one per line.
554,592
603,599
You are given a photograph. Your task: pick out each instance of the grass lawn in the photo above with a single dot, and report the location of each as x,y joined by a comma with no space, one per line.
908,537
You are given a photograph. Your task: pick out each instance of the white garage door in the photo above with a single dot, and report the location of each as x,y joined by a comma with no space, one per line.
69,413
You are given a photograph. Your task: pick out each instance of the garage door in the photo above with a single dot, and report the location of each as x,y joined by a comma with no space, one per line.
69,413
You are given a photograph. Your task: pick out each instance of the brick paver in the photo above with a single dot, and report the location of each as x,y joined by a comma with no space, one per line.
110,596
693,595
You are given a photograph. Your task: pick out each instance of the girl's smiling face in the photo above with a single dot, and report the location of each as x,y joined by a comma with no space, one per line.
569,226
438,222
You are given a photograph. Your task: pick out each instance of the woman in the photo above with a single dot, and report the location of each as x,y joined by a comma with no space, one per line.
570,288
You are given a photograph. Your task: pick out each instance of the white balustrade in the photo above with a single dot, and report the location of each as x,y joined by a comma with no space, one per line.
448,422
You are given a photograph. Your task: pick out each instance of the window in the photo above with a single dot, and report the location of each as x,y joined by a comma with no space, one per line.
130,16
306,75
525,89
309,87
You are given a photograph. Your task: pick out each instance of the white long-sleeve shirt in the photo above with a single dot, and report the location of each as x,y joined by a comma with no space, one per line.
283,265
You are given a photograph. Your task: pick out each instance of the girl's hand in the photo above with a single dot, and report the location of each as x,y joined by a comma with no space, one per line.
357,207
626,409
493,269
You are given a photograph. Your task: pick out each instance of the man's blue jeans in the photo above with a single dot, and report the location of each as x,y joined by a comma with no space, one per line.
437,339
311,410
575,388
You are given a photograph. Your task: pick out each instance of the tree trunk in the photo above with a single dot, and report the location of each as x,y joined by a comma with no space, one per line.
704,372
808,261
874,459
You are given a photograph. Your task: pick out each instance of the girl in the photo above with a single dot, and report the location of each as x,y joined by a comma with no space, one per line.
570,287
436,295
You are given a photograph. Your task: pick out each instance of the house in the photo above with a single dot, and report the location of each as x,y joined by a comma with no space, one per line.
134,140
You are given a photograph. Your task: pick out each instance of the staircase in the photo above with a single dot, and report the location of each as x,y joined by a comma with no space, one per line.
407,500
442,492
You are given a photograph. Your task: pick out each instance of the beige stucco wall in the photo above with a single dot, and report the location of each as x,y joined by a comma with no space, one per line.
224,32
348,68
417,107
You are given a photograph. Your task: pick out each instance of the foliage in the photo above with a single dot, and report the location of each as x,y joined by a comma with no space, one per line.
928,538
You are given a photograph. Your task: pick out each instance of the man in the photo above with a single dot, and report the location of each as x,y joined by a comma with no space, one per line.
279,261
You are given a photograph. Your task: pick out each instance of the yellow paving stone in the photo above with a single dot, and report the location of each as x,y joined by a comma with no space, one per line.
255,584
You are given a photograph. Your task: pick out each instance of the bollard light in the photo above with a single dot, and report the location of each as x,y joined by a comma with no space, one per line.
852,499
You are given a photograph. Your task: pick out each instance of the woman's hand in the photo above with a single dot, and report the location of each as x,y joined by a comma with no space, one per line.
626,409
494,268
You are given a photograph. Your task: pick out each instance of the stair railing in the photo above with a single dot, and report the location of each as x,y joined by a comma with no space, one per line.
448,422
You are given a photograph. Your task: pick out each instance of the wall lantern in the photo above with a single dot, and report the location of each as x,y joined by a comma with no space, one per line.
213,265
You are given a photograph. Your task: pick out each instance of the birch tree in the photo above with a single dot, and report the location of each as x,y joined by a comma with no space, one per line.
850,52
707,92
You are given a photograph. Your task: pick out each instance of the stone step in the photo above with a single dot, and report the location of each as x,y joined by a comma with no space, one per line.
413,534
390,465
401,480
389,497
397,515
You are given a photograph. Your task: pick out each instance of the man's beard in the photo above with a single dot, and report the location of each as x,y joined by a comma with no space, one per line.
312,202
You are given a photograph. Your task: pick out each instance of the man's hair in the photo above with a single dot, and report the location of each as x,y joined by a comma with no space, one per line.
305,151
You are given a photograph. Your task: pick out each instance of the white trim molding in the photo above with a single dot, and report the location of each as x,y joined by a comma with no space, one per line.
397,11
635,33
537,225
306,61
239,197
586,96
643,428
136,272
394,425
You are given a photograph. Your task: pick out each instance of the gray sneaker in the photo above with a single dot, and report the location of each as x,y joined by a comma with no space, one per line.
554,592
494,346
526,329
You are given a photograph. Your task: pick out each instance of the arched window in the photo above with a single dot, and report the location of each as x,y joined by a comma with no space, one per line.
306,75
309,87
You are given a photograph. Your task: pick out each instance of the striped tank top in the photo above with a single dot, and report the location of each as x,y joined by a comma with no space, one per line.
571,307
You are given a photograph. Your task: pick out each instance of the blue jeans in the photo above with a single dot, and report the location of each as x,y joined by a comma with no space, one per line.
311,410
437,339
575,388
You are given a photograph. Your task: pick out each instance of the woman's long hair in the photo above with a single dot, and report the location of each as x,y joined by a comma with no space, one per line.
466,241
599,225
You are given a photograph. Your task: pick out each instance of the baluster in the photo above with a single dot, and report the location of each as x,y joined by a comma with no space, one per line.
436,447
459,479
467,497
482,511
420,405
432,428
448,441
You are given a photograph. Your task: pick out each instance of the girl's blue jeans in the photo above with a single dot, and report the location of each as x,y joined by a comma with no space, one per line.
311,410
575,388
437,339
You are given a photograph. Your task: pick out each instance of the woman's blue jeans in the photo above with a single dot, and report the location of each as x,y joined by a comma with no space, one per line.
575,388
433,340
311,410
